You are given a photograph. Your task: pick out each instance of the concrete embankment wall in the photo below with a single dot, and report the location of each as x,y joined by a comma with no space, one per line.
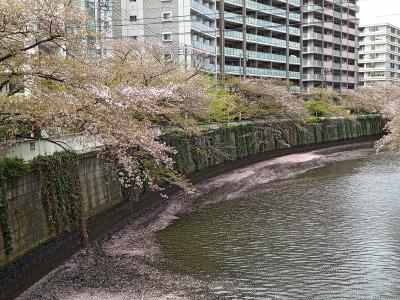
37,248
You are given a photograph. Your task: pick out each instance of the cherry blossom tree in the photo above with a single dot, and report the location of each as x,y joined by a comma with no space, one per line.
383,99
265,98
123,99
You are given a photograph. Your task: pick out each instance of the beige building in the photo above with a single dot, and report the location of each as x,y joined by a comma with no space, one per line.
329,35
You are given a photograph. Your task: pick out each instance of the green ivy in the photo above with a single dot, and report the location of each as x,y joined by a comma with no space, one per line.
60,191
10,168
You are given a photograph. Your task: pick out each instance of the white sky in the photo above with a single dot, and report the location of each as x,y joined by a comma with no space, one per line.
379,11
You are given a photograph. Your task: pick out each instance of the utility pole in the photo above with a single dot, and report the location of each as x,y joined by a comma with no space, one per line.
222,40
240,66
185,53
244,44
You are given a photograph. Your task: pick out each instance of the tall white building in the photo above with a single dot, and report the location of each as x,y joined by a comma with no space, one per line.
379,54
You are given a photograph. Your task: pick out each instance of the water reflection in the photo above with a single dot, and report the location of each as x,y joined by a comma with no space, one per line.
330,233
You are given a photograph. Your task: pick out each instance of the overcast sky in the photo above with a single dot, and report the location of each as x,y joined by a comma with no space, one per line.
388,11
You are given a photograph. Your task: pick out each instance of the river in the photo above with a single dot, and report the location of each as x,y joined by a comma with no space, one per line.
319,225
331,232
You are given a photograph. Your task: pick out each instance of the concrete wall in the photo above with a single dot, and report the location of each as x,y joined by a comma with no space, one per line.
29,226
27,215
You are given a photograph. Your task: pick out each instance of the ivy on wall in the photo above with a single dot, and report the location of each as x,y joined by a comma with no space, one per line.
60,191
10,168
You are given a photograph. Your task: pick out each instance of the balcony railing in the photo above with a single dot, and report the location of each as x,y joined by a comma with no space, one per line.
203,9
313,35
337,40
337,14
336,78
261,55
312,63
312,77
313,50
337,65
203,28
336,53
203,47
261,39
311,8
260,23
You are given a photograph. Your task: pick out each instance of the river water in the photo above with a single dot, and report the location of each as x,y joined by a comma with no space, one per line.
333,232
318,225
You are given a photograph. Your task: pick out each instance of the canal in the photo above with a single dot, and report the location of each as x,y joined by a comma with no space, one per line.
332,232
318,225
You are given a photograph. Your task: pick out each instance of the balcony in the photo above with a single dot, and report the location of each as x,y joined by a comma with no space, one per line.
294,45
337,14
259,39
312,8
351,55
328,64
312,63
255,55
337,53
328,51
313,36
351,31
294,16
237,2
337,27
313,50
294,75
236,18
265,8
294,2
313,77
328,38
210,13
237,70
328,11
328,25
313,22
336,65
337,40
203,28
203,47
351,68
351,43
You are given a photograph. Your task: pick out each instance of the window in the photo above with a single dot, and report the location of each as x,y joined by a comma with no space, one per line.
167,56
132,0
167,36
133,18
167,16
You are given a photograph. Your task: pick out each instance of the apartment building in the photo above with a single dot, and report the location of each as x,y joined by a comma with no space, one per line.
259,38
329,35
379,54
267,38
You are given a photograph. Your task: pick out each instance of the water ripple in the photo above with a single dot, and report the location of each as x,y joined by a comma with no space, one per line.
332,233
